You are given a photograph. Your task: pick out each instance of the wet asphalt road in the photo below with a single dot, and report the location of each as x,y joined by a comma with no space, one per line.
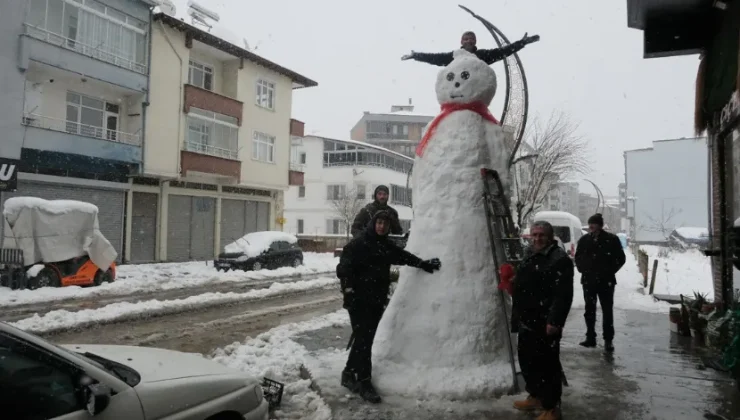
652,375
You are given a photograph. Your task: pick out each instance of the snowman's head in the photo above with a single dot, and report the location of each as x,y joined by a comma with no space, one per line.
467,79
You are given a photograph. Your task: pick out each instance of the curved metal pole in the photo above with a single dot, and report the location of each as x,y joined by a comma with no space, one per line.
498,36
599,196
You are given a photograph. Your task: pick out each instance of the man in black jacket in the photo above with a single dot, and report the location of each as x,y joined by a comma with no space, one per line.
380,202
468,42
543,294
364,272
599,256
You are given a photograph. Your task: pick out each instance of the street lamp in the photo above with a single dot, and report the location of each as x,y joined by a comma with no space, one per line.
599,196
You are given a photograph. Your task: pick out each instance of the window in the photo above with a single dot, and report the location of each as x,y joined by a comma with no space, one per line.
405,225
401,195
302,159
212,133
265,94
263,147
302,191
562,232
335,192
92,29
361,191
300,226
335,227
36,383
91,117
200,75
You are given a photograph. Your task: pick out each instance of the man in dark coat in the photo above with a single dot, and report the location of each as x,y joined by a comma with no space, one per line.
380,202
468,42
364,272
543,294
599,256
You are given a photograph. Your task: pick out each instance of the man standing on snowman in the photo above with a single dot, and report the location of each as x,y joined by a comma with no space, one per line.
468,41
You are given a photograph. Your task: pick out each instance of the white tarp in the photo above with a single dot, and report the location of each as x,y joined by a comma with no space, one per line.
56,230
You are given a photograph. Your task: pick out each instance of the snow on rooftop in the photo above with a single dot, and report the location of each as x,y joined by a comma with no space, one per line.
693,232
255,243
363,144
14,205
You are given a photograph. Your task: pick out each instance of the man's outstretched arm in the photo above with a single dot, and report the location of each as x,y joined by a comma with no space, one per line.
497,54
435,59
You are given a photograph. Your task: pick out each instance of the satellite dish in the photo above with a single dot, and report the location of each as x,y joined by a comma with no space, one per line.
167,7
201,11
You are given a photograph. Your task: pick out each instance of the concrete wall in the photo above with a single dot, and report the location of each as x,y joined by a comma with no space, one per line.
669,178
12,14
314,209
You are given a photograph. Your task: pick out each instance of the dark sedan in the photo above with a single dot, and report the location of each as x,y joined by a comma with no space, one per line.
279,254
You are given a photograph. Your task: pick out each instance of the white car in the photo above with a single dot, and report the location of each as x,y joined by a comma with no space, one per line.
40,380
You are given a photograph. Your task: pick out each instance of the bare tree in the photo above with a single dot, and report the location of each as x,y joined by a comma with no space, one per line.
663,225
346,208
553,152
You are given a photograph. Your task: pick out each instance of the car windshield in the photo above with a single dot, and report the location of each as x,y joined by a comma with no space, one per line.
562,232
121,371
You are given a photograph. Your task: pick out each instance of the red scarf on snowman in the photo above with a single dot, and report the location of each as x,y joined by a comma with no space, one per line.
478,107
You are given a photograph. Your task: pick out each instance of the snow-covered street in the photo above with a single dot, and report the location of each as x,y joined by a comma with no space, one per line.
650,369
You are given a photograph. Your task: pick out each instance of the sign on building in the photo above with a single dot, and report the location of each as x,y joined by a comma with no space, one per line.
8,174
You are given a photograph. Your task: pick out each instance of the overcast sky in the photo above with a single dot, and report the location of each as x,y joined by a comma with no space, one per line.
588,64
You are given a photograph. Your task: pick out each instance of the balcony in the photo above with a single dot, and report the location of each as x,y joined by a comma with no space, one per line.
52,134
194,161
212,101
297,128
296,174
42,46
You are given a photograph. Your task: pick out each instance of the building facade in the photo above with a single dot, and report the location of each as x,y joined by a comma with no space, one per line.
74,86
340,177
220,165
399,130
563,196
666,187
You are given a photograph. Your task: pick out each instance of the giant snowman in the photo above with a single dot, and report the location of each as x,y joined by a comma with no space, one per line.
443,334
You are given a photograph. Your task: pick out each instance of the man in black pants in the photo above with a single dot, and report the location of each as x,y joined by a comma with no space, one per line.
599,256
543,294
364,272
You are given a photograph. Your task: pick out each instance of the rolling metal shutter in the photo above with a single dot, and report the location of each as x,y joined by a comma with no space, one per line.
190,228
263,216
233,220
111,204
144,227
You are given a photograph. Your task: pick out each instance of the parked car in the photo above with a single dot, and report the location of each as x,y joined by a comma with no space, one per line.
261,250
41,380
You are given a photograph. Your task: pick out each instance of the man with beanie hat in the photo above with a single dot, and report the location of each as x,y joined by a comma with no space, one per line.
599,256
380,202
364,273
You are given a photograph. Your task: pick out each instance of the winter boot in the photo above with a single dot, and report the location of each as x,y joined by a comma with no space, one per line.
588,342
608,346
553,414
367,391
529,404
349,380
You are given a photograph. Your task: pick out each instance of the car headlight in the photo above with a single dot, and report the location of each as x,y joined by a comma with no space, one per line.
258,393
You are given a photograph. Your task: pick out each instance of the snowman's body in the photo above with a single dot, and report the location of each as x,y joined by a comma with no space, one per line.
444,334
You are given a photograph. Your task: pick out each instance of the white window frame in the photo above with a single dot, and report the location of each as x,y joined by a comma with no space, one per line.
364,191
302,188
342,229
300,226
302,158
268,87
207,69
263,139
209,148
342,191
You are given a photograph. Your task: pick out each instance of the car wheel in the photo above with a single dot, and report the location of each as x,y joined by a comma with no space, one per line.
98,279
108,276
256,266
45,278
297,262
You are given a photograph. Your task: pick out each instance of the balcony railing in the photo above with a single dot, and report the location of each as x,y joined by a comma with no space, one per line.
208,149
107,54
298,167
73,127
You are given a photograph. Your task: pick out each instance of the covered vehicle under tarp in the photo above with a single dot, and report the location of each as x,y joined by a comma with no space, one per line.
56,230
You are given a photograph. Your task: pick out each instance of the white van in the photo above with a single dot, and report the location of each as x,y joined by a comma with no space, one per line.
567,227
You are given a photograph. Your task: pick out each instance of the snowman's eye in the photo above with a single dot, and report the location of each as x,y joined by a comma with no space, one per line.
450,76
465,75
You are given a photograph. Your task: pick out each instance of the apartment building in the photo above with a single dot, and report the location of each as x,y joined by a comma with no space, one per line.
74,87
399,130
218,160
563,196
340,176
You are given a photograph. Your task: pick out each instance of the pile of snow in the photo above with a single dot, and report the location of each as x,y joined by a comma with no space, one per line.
143,278
693,232
275,355
255,243
121,311
680,272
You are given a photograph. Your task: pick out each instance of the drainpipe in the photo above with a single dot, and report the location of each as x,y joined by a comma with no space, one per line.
180,109
145,104
710,142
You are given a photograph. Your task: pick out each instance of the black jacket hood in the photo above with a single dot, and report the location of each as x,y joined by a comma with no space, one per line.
381,214
380,188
